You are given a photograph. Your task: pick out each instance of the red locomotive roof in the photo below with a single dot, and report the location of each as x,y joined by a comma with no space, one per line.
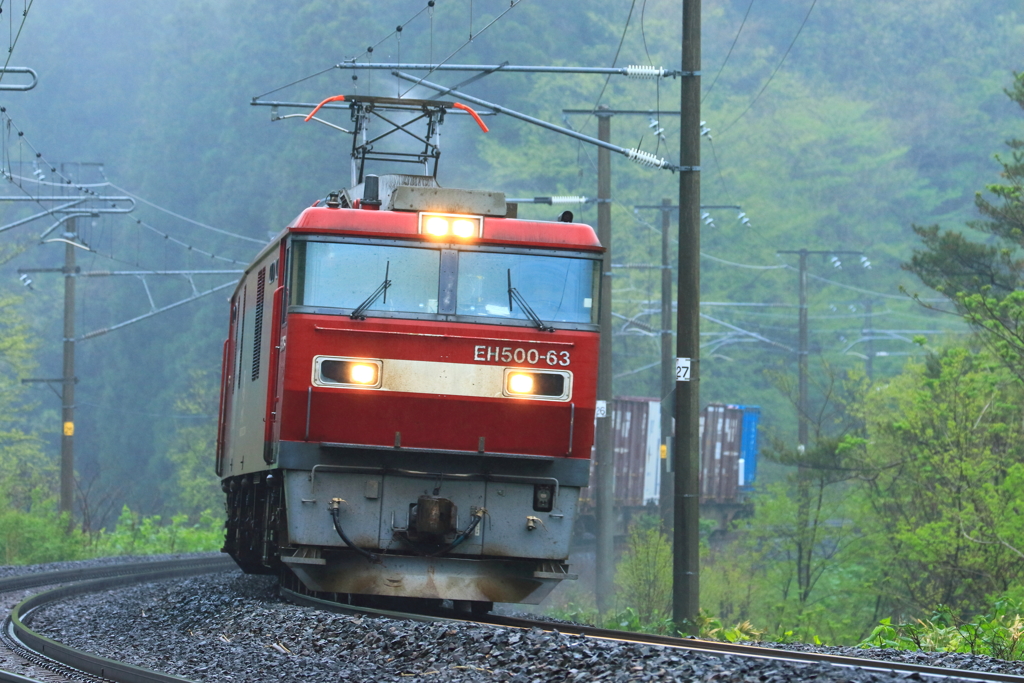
406,224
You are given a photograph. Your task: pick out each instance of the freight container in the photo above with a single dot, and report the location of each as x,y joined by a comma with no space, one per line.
729,451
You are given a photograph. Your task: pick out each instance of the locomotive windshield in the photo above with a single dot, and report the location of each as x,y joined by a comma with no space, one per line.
558,289
471,283
346,275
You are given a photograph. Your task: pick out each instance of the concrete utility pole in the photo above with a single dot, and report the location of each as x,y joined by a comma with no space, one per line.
605,503
686,448
668,380
67,394
802,351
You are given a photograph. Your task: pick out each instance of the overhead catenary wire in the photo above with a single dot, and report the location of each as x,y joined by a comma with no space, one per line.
88,190
776,70
512,5
365,52
729,53
186,219
14,41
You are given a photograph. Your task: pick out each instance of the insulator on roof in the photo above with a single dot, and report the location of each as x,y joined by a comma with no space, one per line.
637,71
645,158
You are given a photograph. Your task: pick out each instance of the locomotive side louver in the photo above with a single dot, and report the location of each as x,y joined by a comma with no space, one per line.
257,337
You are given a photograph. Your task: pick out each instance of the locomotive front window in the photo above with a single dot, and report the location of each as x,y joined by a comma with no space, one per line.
558,289
336,275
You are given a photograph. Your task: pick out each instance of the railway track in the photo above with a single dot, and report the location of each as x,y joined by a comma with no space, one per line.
53,661
706,647
56,662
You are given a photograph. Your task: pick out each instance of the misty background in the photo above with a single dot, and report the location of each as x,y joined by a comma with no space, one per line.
835,126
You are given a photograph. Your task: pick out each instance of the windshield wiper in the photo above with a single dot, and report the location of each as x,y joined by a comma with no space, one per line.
360,312
514,295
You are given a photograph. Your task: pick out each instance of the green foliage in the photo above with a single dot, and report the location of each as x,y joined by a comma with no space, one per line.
194,487
711,628
38,537
997,633
644,575
140,535
946,483
982,280
44,536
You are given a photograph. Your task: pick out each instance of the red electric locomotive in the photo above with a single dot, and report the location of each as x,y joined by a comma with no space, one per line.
408,393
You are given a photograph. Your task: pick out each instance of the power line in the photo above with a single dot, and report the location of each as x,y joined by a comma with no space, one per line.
729,54
512,5
365,52
10,50
187,220
779,66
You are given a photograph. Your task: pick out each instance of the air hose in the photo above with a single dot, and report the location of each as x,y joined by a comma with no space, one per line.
335,508
477,516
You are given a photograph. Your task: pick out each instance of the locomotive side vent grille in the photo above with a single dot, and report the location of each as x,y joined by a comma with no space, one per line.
257,338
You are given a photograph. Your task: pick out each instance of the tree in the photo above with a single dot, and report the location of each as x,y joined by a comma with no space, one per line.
944,445
194,488
983,280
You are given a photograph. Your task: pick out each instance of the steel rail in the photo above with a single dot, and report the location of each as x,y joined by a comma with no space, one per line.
114,576
709,647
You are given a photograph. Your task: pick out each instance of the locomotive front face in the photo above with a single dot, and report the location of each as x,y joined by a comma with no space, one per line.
444,357
435,398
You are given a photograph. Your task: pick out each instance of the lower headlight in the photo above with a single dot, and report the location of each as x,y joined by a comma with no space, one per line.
520,383
348,372
550,385
361,373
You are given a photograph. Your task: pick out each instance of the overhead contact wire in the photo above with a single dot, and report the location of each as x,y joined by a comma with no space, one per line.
729,54
513,4
779,66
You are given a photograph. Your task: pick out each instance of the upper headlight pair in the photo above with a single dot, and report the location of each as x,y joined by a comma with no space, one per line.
447,224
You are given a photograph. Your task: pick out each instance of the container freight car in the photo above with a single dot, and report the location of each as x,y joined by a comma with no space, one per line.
729,449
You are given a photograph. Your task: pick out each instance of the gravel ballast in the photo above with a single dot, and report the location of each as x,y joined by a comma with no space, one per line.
230,627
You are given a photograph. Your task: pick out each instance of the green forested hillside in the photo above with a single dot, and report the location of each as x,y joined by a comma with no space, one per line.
835,126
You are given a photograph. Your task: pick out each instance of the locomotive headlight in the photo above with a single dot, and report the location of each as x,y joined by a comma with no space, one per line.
331,371
550,385
519,383
436,226
462,227
445,224
361,373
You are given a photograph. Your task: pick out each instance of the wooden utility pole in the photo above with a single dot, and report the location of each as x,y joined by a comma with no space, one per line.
605,504
686,447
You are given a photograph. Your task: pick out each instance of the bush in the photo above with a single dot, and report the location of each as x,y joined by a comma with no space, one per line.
998,634
644,576
40,537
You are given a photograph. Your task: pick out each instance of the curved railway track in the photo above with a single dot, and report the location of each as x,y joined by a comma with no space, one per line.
66,663
707,647
61,662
